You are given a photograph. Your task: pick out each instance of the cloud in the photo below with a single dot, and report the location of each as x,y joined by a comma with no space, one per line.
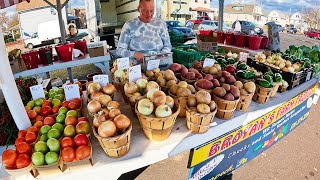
77,3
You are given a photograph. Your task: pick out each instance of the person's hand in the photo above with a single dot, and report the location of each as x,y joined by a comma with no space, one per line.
139,56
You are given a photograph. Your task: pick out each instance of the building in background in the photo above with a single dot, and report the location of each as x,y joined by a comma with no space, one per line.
297,21
172,11
203,8
34,13
244,12
279,18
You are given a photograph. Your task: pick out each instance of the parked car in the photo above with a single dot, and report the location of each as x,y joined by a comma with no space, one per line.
312,34
197,21
177,27
292,30
280,28
212,25
248,28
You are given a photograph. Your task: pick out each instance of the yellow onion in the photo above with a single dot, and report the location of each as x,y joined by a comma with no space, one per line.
93,106
113,105
96,95
113,113
94,87
104,100
107,129
109,89
122,122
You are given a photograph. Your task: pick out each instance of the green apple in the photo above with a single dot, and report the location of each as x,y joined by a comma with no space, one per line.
54,133
51,157
43,138
38,102
59,127
31,104
41,146
45,129
73,113
52,95
38,158
60,118
69,131
53,144
52,91
63,110
59,96
56,102
60,90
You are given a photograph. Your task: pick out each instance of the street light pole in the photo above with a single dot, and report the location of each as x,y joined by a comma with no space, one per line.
221,8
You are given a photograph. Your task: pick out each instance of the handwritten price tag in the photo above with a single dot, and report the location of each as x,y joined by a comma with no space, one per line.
153,64
208,62
135,73
101,79
243,56
123,63
71,91
37,92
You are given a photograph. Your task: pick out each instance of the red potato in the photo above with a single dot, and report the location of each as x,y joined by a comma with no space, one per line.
184,71
216,83
175,67
230,69
208,77
189,75
230,79
198,76
225,74
228,97
222,80
193,70
205,84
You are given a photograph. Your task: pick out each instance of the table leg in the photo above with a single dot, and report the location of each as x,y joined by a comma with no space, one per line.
70,74
48,75
106,65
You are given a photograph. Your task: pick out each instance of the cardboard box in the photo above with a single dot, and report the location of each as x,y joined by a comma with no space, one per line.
96,49
165,60
207,42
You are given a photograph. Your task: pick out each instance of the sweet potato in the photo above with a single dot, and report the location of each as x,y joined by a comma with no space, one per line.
228,97
219,91
235,91
208,77
205,84
215,82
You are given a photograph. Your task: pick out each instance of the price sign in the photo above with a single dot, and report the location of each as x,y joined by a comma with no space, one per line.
153,64
135,73
208,62
37,92
123,63
308,76
243,56
101,79
71,91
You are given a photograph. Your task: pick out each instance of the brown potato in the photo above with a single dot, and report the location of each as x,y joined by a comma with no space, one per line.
238,84
203,108
219,91
212,106
226,87
173,89
206,69
203,97
192,101
161,81
183,92
191,88
235,91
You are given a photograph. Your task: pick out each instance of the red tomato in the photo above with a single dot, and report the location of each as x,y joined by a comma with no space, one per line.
46,103
49,121
82,119
70,120
83,152
32,114
19,140
9,157
31,137
67,142
38,124
65,103
81,140
23,161
72,106
22,133
23,148
68,154
32,129
46,110
55,109
77,101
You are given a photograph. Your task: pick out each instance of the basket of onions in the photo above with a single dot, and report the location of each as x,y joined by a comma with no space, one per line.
94,90
200,111
139,90
104,103
113,131
157,115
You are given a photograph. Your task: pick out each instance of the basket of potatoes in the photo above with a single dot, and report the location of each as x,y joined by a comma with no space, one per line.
180,93
246,93
200,111
166,79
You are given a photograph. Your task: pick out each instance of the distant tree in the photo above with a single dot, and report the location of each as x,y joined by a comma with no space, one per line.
4,21
14,20
312,17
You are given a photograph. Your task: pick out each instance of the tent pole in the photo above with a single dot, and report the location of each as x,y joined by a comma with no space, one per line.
221,8
61,23
10,90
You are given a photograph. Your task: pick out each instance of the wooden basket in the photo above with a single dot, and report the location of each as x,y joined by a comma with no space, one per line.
274,89
80,164
157,129
188,80
262,94
199,123
117,146
181,102
133,100
52,169
282,89
23,173
225,108
120,87
244,102
198,88
244,80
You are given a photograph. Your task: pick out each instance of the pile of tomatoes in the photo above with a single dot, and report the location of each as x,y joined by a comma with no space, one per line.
74,149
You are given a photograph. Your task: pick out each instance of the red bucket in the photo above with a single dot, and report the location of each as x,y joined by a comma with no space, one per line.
229,38
42,55
31,59
254,42
206,32
264,42
64,52
82,46
240,40
220,37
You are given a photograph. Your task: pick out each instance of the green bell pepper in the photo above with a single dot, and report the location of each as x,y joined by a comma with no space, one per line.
240,74
264,83
268,78
277,77
242,66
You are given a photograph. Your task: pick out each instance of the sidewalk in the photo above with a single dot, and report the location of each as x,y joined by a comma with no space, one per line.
296,157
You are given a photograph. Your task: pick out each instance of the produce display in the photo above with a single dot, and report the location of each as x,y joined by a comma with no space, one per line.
201,102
